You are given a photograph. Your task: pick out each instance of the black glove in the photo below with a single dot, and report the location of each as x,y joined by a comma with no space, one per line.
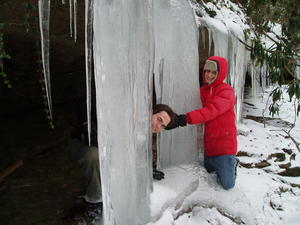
158,175
179,120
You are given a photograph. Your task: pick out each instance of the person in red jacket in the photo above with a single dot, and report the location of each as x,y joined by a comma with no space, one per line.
218,116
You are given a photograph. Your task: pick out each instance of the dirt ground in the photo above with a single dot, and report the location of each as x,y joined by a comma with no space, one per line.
45,186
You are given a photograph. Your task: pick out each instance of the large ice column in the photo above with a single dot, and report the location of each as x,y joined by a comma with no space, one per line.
176,77
123,65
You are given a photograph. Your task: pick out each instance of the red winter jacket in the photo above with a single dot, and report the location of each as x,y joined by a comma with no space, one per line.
218,99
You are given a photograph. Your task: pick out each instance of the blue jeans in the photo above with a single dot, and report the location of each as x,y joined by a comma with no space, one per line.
225,168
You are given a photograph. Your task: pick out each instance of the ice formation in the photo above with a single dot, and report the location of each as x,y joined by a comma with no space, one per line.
44,16
73,18
123,66
176,77
127,43
89,58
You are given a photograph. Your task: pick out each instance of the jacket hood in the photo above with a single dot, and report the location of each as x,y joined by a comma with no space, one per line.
223,69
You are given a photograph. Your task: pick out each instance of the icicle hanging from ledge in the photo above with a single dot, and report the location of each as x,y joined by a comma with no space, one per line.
44,16
73,18
88,58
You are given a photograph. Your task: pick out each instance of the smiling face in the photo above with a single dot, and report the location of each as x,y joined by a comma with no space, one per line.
210,71
159,121
210,76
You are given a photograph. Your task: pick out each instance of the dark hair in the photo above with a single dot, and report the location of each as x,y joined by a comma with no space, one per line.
162,107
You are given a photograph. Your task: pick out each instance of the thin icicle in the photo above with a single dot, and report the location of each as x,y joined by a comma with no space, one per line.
44,15
161,74
88,58
75,19
209,40
71,17
63,2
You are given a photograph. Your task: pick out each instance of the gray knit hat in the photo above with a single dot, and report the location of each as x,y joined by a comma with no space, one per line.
211,65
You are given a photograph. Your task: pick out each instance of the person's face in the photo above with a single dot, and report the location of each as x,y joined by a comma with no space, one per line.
159,121
210,76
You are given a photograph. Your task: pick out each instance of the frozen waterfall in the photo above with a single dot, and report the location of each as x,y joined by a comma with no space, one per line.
123,62
177,77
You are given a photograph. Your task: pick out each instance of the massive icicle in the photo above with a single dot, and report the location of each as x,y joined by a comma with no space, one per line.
44,15
176,76
123,61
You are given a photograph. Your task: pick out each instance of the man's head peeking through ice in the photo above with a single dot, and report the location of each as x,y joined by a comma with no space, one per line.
162,116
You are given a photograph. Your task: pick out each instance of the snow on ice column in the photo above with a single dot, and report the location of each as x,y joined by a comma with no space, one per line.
123,62
176,77
44,20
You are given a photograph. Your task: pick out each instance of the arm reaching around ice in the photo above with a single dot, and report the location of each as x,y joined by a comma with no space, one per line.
215,107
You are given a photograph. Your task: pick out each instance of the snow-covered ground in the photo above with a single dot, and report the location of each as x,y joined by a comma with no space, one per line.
189,195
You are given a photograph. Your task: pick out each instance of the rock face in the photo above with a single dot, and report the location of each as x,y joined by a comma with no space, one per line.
22,105
25,133
66,56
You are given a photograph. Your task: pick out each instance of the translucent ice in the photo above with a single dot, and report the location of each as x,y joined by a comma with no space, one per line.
177,77
123,62
44,16
88,58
